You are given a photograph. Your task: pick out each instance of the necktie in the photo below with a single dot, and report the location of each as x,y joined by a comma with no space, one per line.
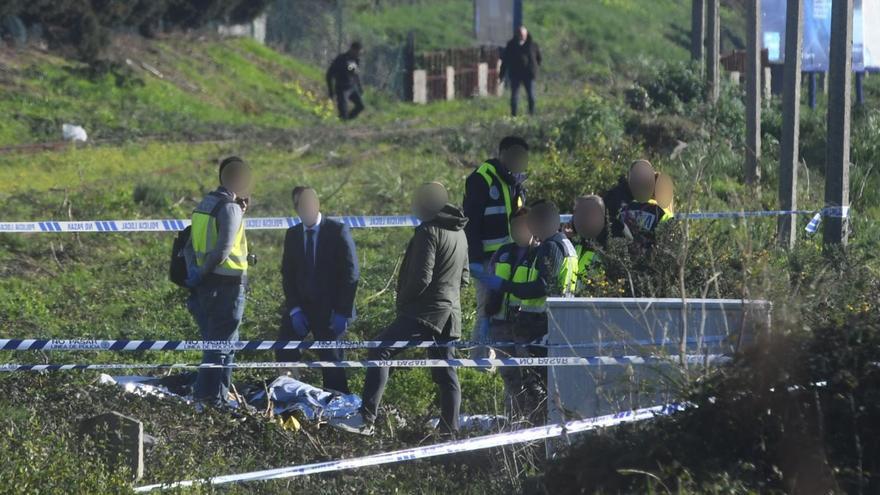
310,254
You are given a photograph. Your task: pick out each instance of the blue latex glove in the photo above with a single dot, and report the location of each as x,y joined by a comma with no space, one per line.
476,270
299,322
492,282
339,325
193,277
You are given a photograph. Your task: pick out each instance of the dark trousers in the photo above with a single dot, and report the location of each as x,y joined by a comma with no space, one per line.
529,84
445,378
343,97
333,378
531,328
218,309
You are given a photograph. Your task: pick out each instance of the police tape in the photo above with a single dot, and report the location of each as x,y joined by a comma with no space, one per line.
540,362
447,448
356,222
268,345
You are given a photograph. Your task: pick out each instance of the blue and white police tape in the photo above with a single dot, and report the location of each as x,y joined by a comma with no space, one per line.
268,345
447,448
173,225
541,362
357,222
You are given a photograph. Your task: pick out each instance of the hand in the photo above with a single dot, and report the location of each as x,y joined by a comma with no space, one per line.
492,282
243,203
299,322
193,277
339,324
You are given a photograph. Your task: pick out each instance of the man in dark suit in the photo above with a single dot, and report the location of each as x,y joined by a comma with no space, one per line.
319,273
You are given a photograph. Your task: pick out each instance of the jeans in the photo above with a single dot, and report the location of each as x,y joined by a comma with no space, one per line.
502,331
333,378
445,378
218,311
343,96
483,295
529,84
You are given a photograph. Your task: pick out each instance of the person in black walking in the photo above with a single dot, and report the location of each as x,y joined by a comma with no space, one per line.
520,62
344,82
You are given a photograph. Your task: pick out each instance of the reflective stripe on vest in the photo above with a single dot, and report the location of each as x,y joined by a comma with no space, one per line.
566,279
504,269
204,240
490,174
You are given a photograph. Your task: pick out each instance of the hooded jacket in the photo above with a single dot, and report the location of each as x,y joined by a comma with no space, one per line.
520,61
434,269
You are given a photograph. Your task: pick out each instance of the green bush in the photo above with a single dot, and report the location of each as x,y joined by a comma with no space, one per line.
673,87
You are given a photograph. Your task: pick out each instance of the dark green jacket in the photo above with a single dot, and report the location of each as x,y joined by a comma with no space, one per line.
434,269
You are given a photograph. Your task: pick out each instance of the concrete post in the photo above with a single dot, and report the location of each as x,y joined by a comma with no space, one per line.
483,79
120,438
751,167
698,29
734,77
767,82
420,86
839,95
789,158
713,51
450,82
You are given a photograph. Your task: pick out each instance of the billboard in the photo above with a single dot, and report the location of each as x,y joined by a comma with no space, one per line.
817,33
493,21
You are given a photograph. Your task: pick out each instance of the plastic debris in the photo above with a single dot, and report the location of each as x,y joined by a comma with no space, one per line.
74,133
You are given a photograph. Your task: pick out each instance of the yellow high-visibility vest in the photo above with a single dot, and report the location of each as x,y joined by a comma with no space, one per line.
567,279
496,207
505,269
204,239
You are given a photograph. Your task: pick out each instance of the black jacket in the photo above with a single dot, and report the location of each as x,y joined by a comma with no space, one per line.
434,269
337,273
615,199
549,256
476,197
344,73
520,61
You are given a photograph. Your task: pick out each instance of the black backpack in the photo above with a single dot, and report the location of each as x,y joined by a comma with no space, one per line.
177,272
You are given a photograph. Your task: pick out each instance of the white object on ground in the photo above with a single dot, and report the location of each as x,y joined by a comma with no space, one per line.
74,133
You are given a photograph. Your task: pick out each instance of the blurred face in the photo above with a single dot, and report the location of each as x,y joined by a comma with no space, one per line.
664,191
429,199
237,178
542,228
515,158
641,181
523,33
519,231
589,218
308,206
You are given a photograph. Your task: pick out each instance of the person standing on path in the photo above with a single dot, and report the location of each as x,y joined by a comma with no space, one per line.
519,63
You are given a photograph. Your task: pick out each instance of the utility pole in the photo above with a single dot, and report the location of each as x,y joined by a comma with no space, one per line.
789,158
754,71
698,29
713,51
839,96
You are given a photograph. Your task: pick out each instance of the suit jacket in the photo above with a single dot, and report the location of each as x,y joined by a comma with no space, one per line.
336,273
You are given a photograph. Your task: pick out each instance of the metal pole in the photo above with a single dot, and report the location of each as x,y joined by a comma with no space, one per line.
839,95
791,113
517,14
751,167
713,51
698,29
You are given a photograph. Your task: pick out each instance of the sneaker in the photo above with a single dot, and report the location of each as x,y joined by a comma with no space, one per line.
354,424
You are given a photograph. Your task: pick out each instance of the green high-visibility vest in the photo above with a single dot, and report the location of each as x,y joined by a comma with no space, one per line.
204,240
566,279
